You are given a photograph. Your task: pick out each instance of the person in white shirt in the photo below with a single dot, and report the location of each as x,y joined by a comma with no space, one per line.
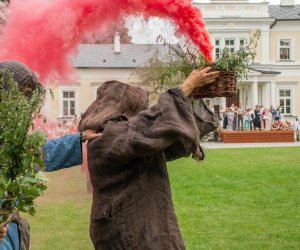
268,119
296,127
230,117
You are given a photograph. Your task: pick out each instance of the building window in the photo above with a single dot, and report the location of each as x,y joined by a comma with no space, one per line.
285,101
230,44
217,48
285,47
68,102
243,43
233,44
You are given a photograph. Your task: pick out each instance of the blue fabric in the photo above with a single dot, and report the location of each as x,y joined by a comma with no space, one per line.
11,240
63,152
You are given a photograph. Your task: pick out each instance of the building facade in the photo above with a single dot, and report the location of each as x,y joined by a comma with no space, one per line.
97,63
274,77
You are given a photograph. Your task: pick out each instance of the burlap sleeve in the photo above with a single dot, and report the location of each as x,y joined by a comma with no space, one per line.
170,121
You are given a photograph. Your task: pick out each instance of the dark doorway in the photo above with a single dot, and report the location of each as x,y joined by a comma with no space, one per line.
233,99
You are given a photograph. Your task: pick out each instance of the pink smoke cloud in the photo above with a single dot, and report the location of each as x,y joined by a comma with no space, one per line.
43,34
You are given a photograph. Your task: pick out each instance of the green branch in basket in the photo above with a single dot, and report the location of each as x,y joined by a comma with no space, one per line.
238,61
161,73
20,149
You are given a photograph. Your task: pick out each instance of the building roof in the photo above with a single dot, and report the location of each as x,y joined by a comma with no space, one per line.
285,12
103,55
265,72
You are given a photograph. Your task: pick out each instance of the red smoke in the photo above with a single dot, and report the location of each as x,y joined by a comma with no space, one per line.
42,34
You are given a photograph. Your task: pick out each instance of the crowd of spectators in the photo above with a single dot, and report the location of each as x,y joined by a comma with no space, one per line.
55,129
235,118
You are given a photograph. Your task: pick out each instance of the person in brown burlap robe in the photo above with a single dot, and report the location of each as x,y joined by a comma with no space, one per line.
132,204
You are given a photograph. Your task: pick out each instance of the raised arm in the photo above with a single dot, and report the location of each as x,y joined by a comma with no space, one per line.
170,121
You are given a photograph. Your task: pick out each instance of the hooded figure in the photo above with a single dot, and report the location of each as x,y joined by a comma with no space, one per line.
21,74
18,233
132,204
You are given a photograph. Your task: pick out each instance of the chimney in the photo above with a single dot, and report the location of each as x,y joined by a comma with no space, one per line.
287,3
117,44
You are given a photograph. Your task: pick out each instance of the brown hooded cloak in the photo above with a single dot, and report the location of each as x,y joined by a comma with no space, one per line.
132,204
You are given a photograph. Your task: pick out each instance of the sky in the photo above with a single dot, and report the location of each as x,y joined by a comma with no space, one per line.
276,1
147,32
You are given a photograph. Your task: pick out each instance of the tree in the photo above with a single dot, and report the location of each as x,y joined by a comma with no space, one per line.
3,13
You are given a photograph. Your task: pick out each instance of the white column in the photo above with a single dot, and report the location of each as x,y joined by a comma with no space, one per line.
259,94
266,95
222,102
254,95
265,47
273,93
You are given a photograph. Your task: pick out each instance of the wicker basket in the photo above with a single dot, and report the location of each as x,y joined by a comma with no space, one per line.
224,86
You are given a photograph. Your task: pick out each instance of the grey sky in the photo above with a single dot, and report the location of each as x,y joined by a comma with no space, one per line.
147,32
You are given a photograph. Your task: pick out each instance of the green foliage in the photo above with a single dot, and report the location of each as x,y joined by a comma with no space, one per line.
20,149
162,73
238,61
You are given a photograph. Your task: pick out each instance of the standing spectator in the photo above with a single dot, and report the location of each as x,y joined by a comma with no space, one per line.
74,125
221,116
247,119
261,108
225,121
262,115
272,110
277,115
60,129
267,117
235,119
65,128
296,127
75,121
251,112
257,118
240,113
262,111
230,118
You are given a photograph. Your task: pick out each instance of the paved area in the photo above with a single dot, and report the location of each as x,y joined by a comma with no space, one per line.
249,145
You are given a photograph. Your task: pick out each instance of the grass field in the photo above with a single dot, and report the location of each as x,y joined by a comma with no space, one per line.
235,199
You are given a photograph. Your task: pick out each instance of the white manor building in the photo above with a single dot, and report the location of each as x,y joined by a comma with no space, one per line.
273,80
275,75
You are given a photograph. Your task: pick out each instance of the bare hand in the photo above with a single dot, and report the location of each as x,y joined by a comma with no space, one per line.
197,79
90,134
3,232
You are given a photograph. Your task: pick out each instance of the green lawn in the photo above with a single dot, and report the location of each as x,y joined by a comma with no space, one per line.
235,199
